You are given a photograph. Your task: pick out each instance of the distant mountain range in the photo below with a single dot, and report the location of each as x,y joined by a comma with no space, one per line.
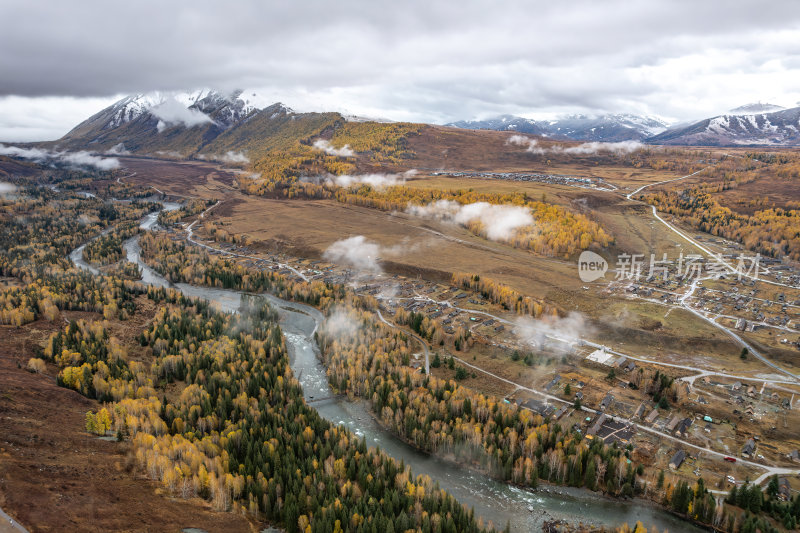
211,124
603,128
757,124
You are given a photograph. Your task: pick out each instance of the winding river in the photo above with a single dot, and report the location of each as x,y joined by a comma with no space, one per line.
525,510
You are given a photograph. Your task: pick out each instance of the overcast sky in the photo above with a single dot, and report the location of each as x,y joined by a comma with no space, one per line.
429,60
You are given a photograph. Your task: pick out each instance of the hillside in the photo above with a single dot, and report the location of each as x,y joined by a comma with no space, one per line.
274,128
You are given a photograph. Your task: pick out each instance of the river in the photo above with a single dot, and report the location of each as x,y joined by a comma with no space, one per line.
525,510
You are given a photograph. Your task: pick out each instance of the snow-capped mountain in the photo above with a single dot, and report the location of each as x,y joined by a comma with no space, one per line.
610,127
752,109
779,128
227,108
505,123
175,121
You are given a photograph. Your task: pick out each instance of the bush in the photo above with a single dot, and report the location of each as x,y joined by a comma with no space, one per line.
36,365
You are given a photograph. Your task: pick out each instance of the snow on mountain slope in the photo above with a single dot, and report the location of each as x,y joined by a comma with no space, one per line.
779,128
605,128
750,109
181,121
505,123
230,108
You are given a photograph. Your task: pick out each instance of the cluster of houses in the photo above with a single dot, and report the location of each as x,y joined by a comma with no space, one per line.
571,181
739,392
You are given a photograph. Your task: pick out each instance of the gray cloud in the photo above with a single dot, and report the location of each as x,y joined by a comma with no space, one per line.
407,61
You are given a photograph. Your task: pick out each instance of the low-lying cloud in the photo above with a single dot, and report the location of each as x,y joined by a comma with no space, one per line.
85,159
329,149
356,252
499,222
589,148
79,159
531,145
618,148
362,255
7,189
118,149
555,332
173,113
341,325
228,157
376,181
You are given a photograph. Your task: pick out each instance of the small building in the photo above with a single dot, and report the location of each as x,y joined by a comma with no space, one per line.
640,410
600,356
677,459
553,382
794,455
597,425
784,489
673,423
606,401
749,448
652,416
683,427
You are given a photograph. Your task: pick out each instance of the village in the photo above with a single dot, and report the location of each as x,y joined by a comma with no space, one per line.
554,179
728,430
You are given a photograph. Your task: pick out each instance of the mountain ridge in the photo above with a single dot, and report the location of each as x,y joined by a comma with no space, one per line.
579,127
778,128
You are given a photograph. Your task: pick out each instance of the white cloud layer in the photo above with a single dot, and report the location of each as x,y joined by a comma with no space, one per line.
590,148
554,332
118,149
356,252
362,255
499,221
329,149
376,181
78,159
230,156
172,113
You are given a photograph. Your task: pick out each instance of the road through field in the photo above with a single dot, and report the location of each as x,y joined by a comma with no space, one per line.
9,525
718,257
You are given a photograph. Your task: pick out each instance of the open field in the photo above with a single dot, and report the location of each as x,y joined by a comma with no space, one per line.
307,227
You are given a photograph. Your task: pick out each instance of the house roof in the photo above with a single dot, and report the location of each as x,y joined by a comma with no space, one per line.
678,458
